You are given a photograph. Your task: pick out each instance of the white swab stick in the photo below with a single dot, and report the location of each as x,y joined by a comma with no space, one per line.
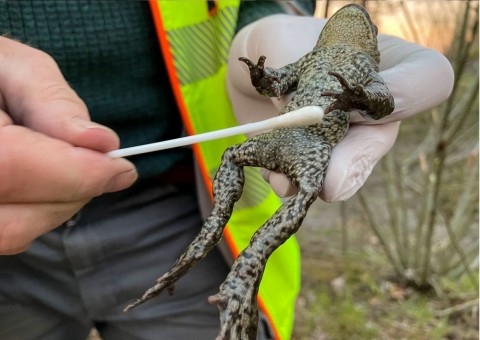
307,115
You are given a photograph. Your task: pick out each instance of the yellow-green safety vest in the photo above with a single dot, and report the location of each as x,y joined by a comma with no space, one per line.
195,37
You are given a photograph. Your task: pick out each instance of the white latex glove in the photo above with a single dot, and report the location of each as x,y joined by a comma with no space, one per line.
417,77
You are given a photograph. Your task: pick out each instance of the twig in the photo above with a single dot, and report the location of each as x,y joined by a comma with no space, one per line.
396,206
410,22
343,221
461,111
460,144
457,308
422,146
461,254
327,4
462,50
471,251
376,229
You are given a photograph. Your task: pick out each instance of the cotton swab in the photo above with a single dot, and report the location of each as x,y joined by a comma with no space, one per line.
307,115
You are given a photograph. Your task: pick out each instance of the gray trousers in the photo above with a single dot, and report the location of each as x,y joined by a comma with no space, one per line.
85,272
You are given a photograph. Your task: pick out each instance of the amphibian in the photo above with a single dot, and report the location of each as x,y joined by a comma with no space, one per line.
339,74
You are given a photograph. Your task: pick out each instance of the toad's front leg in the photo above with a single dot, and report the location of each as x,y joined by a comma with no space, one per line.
373,96
271,82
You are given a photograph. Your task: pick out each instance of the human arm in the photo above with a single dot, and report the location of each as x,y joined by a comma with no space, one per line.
417,77
52,159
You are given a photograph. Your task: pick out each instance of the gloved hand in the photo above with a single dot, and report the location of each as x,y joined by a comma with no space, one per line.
417,77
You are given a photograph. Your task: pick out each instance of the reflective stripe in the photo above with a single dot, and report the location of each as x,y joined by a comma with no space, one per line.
198,52
195,47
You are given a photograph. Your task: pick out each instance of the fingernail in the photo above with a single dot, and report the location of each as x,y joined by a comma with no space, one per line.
122,181
88,124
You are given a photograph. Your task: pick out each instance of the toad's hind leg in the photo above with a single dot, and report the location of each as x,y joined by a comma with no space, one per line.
237,297
227,189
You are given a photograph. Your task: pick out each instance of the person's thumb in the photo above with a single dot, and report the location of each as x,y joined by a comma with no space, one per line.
354,158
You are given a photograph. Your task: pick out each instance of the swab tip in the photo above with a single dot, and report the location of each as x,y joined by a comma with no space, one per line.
307,115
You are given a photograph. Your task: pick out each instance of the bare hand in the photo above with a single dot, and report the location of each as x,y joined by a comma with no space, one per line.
52,159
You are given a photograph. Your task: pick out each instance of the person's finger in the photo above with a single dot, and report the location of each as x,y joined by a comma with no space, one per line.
5,119
280,184
37,168
22,223
35,94
354,158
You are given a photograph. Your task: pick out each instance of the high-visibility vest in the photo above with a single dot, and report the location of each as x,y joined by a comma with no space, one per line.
195,37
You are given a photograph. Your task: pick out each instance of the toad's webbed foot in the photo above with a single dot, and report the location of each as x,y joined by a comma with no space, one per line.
208,238
352,96
167,281
237,302
265,81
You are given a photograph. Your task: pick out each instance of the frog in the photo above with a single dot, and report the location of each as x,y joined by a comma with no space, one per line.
340,74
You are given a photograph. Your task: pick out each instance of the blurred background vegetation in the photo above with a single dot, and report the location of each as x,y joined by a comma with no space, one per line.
400,259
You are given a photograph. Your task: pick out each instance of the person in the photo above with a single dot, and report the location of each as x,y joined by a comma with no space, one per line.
102,85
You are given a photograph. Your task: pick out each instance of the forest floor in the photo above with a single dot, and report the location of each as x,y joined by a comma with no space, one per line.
349,290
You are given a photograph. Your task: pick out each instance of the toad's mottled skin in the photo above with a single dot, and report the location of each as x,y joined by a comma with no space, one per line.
339,74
